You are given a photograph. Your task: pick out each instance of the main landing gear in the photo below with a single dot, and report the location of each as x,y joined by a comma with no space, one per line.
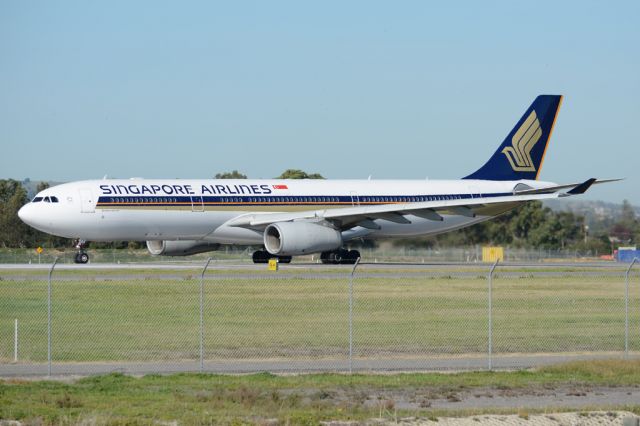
263,256
341,256
336,257
81,255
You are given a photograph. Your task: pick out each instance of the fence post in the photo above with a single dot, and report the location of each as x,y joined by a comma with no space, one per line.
353,271
15,340
206,265
626,308
49,317
490,307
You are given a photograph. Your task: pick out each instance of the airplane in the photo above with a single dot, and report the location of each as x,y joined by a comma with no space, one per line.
301,217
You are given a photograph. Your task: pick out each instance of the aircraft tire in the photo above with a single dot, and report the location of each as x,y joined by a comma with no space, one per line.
353,257
260,256
339,257
324,257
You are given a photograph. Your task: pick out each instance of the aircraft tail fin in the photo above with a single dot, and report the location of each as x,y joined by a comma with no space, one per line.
521,154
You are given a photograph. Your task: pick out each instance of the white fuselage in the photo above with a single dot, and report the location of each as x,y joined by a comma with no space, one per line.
146,209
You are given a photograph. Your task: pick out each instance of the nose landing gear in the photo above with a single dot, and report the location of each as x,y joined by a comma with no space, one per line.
81,255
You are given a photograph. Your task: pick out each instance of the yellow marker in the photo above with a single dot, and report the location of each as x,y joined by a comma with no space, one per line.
39,250
491,254
273,264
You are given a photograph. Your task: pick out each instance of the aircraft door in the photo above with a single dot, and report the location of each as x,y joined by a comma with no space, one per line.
355,200
475,191
87,204
197,203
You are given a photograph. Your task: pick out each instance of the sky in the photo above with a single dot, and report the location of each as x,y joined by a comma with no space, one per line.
391,90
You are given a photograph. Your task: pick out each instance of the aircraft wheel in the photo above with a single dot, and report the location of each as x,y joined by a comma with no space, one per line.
81,257
340,257
353,256
260,256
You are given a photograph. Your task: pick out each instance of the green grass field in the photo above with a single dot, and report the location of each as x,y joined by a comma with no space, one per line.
201,399
282,316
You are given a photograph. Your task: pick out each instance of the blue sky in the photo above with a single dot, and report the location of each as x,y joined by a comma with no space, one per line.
347,89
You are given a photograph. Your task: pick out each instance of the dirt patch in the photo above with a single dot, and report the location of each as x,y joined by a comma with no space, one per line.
534,398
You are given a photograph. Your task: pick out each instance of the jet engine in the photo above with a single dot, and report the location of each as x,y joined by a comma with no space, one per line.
296,238
180,248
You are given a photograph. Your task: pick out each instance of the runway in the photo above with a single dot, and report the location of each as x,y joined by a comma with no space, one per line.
234,265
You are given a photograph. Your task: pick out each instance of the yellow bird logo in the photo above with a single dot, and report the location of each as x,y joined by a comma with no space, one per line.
523,141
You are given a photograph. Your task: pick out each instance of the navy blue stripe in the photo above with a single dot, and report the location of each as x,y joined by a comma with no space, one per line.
268,200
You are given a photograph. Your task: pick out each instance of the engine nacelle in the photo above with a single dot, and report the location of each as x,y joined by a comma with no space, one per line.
296,238
180,248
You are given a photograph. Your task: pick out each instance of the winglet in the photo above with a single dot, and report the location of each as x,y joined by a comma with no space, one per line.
582,188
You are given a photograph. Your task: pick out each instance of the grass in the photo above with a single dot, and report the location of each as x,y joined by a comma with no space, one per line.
303,399
260,316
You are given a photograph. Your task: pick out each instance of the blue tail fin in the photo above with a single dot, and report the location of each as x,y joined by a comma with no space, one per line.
521,154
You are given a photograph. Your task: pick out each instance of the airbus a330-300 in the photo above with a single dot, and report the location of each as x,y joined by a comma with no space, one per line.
300,217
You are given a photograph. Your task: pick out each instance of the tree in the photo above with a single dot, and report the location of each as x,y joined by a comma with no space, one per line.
299,174
529,217
231,175
42,185
530,225
628,215
13,232
627,228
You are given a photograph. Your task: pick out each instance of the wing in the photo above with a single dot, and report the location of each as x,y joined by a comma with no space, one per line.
349,217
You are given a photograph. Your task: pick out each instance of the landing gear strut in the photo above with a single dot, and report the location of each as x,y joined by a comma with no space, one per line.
81,255
341,256
263,256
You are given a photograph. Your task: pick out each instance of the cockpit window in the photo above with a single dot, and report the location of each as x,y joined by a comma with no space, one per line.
50,199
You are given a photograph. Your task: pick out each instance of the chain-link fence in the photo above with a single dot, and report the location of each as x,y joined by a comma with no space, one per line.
470,254
79,320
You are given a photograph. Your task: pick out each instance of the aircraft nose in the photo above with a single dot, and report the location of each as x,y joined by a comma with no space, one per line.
23,213
26,214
